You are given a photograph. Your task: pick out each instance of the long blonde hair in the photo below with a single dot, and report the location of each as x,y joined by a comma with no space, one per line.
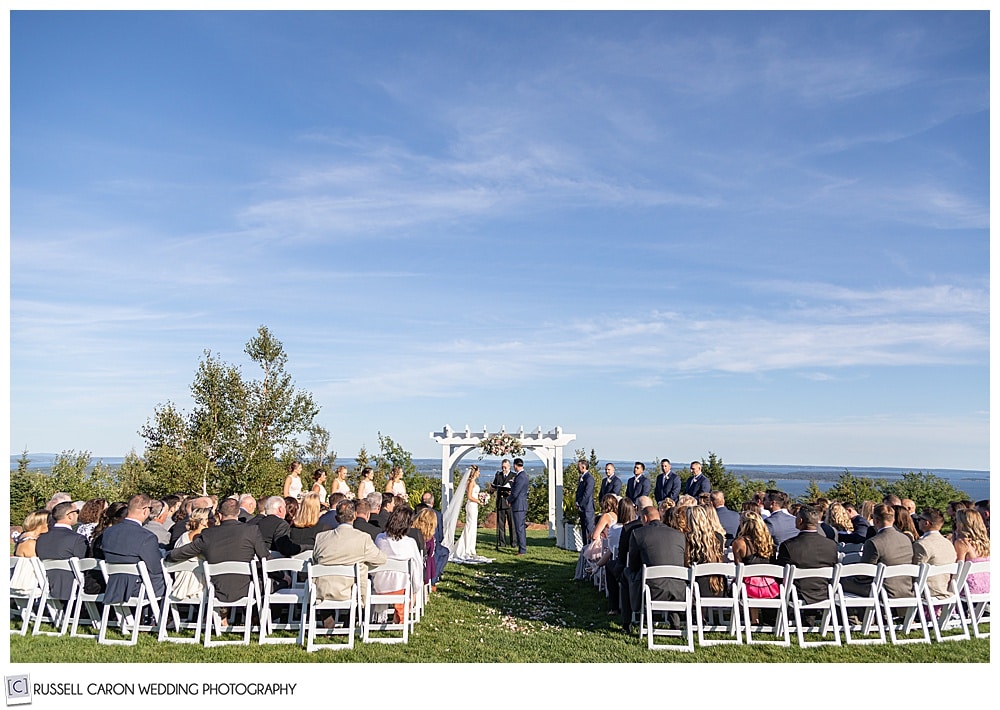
702,543
970,527
308,512
426,522
837,517
754,532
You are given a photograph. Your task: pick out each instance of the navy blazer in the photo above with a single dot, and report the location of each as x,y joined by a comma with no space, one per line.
60,544
636,488
730,520
519,492
585,493
128,543
610,485
667,486
696,486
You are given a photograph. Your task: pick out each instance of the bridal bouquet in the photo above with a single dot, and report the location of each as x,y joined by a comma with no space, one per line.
484,498
501,445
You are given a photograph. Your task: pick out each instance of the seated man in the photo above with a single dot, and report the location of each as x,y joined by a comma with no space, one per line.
888,546
809,549
655,544
780,523
934,549
274,528
61,543
129,542
345,545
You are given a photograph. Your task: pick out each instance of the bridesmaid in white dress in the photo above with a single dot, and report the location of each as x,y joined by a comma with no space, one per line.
340,484
466,547
366,486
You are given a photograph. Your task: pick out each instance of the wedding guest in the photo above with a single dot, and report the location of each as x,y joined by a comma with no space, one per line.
158,512
274,528
904,523
810,549
593,550
703,545
328,518
113,514
426,523
858,532
397,545
248,507
375,503
367,484
384,510
345,545
90,517
292,486
191,583
626,514
753,546
619,565
729,519
129,543
319,478
180,517
838,518
933,548
780,523
715,524
362,511
972,544
983,508
291,509
663,506
37,523
303,529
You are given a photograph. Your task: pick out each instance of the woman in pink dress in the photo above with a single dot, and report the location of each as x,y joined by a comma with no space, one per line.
972,544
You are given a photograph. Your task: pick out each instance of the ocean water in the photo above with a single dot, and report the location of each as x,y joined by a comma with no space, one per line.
793,480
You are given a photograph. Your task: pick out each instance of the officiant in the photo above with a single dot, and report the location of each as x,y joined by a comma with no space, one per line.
500,488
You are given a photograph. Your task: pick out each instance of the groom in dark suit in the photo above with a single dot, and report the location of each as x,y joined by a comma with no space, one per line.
519,505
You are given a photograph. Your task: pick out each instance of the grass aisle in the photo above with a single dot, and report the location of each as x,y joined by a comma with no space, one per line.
516,610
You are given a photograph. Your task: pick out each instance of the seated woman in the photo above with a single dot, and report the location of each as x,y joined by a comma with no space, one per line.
303,529
90,516
704,546
426,523
972,544
191,584
839,519
291,508
397,545
35,524
753,545
904,523
593,548
626,514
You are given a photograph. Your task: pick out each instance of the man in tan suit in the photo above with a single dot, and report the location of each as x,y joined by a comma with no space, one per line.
934,549
345,545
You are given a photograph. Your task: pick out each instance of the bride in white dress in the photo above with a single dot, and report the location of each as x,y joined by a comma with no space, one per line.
464,551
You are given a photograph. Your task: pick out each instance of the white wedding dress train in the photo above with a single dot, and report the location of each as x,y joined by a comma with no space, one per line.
464,550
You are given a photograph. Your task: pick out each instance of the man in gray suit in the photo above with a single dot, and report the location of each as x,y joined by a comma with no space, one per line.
932,548
780,523
654,544
888,546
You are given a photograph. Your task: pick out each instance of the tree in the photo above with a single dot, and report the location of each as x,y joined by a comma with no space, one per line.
317,452
390,454
812,493
926,490
852,489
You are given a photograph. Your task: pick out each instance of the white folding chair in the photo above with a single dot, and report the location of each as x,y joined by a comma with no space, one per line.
85,600
911,606
25,590
651,607
849,553
185,593
369,624
57,612
293,598
826,607
128,613
945,612
869,605
779,629
978,603
246,603
313,627
710,612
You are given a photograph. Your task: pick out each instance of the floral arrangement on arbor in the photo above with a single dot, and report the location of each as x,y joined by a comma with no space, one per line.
502,444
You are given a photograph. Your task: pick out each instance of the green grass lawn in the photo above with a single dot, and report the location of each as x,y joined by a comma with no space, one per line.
516,610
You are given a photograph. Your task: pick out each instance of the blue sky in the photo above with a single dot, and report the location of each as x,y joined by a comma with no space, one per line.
760,234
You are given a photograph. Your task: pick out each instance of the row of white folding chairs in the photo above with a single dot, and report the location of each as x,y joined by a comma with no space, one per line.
33,602
920,611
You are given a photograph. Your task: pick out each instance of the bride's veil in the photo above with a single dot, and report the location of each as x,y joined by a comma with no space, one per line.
453,510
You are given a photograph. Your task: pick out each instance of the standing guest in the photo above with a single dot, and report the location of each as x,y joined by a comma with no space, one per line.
35,525
90,517
638,485
505,518
303,529
397,545
319,478
585,499
61,543
654,544
367,484
703,545
934,549
130,543
698,483
519,506
293,481
888,546
229,541
810,549
158,513
395,484
610,483
904,522
972,544
780,523
340,484
729,519
668,483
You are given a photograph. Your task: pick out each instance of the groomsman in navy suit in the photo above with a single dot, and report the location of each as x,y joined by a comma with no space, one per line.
668,483
638,485
519,505
698,483
610,482
585,501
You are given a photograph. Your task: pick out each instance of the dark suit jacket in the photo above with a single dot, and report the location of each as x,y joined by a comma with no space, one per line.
501,488
730,520
366,527
809,550
585,494
636,488
274,533
327,521
858,535
128,543
60,544
667,486
229,541
519,492
658,544
697,486
610,485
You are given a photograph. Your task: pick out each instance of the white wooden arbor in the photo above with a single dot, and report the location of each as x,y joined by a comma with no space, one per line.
547,447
